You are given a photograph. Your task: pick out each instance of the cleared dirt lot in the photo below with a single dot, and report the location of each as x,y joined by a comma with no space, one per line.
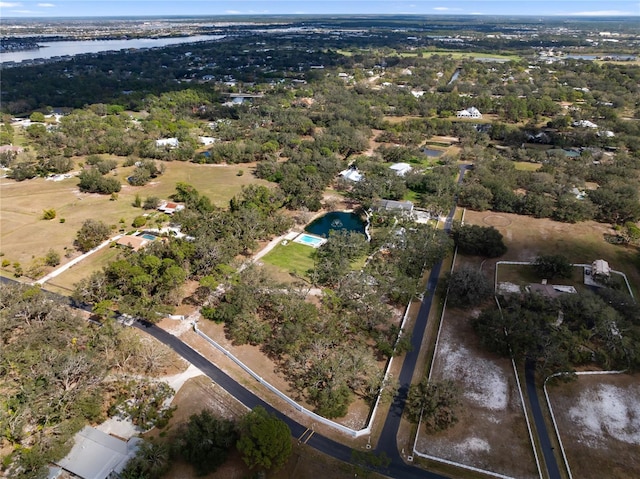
491,433
599,423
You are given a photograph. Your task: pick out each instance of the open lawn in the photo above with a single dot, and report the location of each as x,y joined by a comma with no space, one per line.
527,166
473,55
599,424
25,236
64,283
528,237
293,257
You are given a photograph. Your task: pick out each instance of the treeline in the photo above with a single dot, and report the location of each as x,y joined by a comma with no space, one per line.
562,334
205,442
558,189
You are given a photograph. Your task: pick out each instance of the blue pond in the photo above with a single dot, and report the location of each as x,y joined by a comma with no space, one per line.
335,220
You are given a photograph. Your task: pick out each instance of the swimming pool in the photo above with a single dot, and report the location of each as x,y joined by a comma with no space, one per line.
149,237
310,240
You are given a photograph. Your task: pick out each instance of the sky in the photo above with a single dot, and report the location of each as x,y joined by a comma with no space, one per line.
102,8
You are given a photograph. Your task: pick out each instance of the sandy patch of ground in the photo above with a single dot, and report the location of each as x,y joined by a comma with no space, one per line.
491,433
599,418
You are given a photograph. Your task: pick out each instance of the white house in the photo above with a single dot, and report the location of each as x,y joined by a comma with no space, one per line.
401,169
585,124
403,207
471,112
170,142
352,174
170,207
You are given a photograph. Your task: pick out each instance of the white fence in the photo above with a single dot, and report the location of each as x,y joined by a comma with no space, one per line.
346,430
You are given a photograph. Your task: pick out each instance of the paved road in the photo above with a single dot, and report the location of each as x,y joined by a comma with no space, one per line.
328,446
538,418
388,439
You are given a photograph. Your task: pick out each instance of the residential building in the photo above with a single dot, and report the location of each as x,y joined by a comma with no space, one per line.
351,174
401,169
170,142
403,207
471,112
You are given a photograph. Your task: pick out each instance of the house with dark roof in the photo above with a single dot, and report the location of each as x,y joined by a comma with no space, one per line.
404,208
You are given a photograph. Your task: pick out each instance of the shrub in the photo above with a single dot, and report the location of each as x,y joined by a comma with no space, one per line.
48,214
52,258
139,221
151,203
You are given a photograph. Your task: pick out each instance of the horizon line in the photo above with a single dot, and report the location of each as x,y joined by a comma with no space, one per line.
253,15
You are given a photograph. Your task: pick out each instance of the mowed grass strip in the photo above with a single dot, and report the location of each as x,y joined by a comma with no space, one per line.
293,257
527,166
95,262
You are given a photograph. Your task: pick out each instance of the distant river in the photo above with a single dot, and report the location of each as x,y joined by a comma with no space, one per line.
58,49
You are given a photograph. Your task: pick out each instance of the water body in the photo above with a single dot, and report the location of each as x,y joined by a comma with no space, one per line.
59,49
611,56
432,153
336,220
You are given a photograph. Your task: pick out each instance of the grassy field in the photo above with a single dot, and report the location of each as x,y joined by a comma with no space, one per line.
527,166
25,236
293,257
65,282
474,55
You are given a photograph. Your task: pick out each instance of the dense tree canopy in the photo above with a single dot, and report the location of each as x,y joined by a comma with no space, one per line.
205,441
265,440
479,240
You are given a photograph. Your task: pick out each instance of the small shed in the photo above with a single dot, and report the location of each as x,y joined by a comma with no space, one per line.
351,174
600,269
